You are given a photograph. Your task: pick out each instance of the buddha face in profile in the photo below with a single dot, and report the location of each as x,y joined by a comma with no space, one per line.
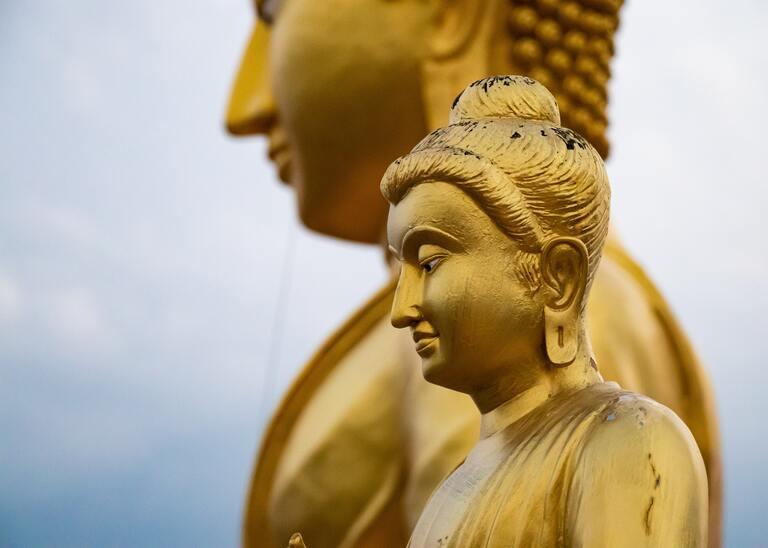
335,87
497,221
458,284
340,87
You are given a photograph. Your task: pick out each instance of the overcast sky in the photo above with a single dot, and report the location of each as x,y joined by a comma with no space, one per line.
143,254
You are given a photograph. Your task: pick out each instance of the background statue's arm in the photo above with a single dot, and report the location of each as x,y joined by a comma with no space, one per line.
639,481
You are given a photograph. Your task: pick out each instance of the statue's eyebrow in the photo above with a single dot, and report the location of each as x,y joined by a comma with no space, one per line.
451,243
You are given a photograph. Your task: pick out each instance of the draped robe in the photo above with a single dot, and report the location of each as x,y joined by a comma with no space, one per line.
592,467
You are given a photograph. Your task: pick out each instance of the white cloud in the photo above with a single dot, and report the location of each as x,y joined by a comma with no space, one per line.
75,319
10,300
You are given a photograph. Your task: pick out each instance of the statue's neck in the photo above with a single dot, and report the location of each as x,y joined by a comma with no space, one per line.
510,411
553,381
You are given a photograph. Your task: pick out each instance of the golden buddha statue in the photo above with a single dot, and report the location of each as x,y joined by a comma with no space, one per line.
498,221
341,87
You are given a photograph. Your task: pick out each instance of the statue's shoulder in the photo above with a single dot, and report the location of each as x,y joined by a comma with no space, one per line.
632,430
639,475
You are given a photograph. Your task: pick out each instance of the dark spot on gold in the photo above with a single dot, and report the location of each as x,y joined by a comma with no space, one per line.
648,518
570,138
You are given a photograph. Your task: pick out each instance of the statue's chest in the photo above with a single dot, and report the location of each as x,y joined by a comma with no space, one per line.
444,520
507,496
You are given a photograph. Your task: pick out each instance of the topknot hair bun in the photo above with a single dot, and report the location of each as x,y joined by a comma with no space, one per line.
517,97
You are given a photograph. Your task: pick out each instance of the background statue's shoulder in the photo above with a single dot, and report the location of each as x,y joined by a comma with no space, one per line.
325,423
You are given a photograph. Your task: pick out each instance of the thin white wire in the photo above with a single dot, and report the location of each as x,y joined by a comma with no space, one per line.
272,366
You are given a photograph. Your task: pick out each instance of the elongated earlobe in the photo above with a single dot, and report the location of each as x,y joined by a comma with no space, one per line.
564,267
562,337
458,52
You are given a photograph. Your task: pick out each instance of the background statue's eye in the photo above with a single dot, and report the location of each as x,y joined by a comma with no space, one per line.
267,10
431,264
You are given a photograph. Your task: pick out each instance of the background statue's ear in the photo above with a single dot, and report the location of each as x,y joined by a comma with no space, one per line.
458,45
564,267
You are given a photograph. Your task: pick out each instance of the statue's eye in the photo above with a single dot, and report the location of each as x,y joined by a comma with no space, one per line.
430,264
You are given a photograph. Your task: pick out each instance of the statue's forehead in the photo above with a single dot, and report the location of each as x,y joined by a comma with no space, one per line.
441,205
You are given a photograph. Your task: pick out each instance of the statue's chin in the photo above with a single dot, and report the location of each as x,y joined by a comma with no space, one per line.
435,371
344,218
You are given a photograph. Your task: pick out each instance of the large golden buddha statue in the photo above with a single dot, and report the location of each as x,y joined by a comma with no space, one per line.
341,87
498,221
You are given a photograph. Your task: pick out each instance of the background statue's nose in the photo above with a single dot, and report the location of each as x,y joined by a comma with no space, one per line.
251,107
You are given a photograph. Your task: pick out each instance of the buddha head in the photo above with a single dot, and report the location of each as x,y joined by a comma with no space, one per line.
341,87
498,221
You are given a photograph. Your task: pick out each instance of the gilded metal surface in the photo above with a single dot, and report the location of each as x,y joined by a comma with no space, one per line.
498,222
341,87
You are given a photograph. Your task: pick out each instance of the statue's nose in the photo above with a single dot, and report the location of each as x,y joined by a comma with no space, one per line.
405,308
251,107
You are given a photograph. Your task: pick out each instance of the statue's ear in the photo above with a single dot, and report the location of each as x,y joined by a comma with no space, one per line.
459,52
564,267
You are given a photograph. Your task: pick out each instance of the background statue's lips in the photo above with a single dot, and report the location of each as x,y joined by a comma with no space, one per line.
279,153
282,161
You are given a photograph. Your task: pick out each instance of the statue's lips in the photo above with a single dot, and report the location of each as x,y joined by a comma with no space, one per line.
425,345
424,340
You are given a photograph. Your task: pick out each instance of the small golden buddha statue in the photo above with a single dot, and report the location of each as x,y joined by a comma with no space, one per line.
341,87
498,221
